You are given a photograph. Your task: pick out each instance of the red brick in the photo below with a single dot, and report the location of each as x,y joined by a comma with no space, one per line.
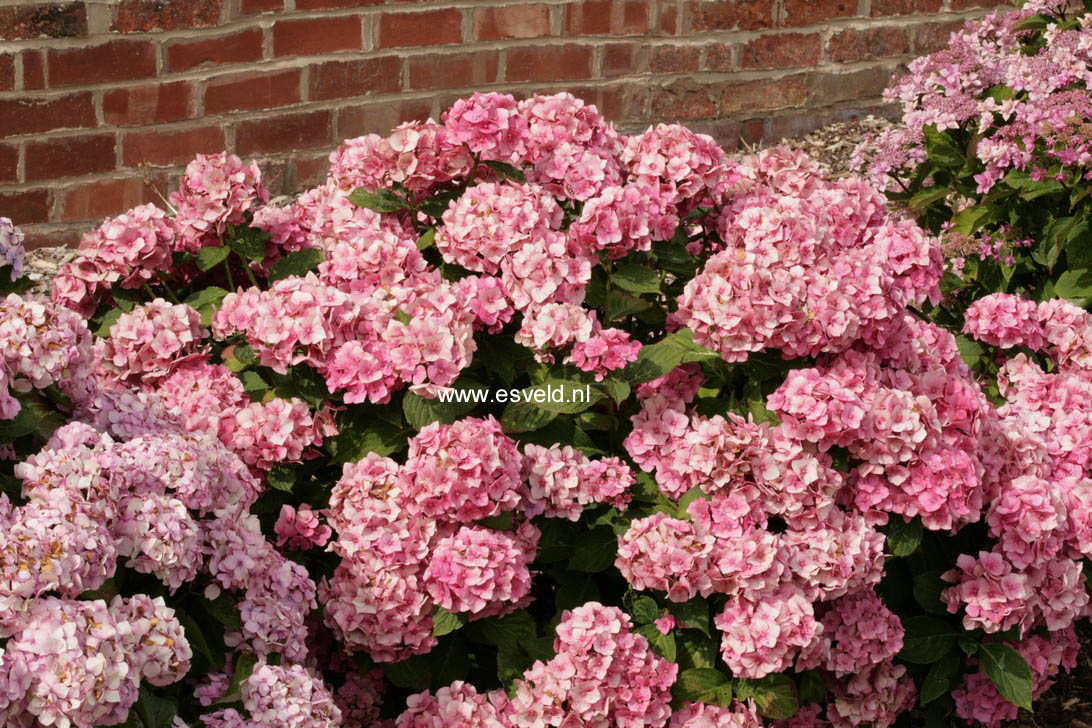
37,115
103,198
683,101
784,50
624,59
25,207
511,21
730,14
930,37
606,17
7,72
669,20
249,7
37,238
215,50
858,45
674,59
456,70
971,4
283,133
162,148
881,8
310,171
55,20
346,79
379,118
141,16
151,104
252,91
434,27
33,70
314,36
320,4
118,60
70,156
810,12
9,163
548,63
755,96
720,57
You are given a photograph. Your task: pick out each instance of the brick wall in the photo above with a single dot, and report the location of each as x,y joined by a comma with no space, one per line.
102,102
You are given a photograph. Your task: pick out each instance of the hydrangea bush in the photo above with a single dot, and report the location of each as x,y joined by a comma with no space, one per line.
993,151
251,480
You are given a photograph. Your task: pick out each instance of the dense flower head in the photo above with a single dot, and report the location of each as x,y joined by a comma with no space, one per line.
562,480
300,529
688,164
859,631
216,190
459,704
763,633
479,571
264,434
607,351
1004,320
11,247
146,343
704,715
873,697
626,218
993,596
490,125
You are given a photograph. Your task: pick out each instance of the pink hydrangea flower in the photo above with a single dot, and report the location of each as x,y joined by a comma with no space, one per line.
301,529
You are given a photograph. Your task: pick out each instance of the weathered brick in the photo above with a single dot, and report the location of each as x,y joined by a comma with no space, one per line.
433,27
118,60
683,101
379,118
456,70
624,59
9,163
102,198
283,133
857,45
322,4
730,14
250,7
314,36
169,146
310,170
25,207
511,21
765,95
141,16
548,63
149,104
606,17
54,20
33,70
831,88
971,4
931,37
37,237
669,20
69,156
811,12
674,59
246,91
215,50
7,72
783,50
32,115
882,8
720,57
346,79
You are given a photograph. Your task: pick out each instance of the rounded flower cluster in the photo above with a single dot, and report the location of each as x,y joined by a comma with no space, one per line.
148,342
217,190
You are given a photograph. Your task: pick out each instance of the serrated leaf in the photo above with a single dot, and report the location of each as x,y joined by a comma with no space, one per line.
209,258
928,196
645,610
927,639
903,538
515,628
281,477
927,589
562,396
595,551
1009,672
108,320
618,390
223,609
636,279
508,171
154,710
575,589
937,681
381,201
656,360
941,148
239,357
421,412
699,685
619,304
969,350
812,688
244,666
662,644
427,239
445,622
299,263
775,695
1075,286
248,242
693,614
525,417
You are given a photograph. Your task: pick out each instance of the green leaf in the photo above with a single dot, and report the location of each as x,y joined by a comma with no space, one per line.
381,201
812,688
620,304
694,650
970,350
1075,286
253,384
575,590
562,396
968,645
515,628
196,637
108,320
445,622
928,196
656,360
155,711
967,221
683,506
938,680
645,610
941,148
699,685
927,639
691,615
299,263
903,538
206,301
618,389
412,674
927,589
249,242
504,170
636,279
209,258
1009,672
662,644
595,551
427,239
1056,236
502,522
239,357
525,417
223,609
281,477
244,668
421,412
775,695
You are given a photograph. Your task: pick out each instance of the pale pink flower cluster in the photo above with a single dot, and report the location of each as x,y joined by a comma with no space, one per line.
704,715
128,251
807,273
459,704
11,247
626,218
490,125
1004,320
562,480
874,697
264,434
281,696
147,343
859,631
359,698
301,528
606,351
216,190
689,164
761,634
478,571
